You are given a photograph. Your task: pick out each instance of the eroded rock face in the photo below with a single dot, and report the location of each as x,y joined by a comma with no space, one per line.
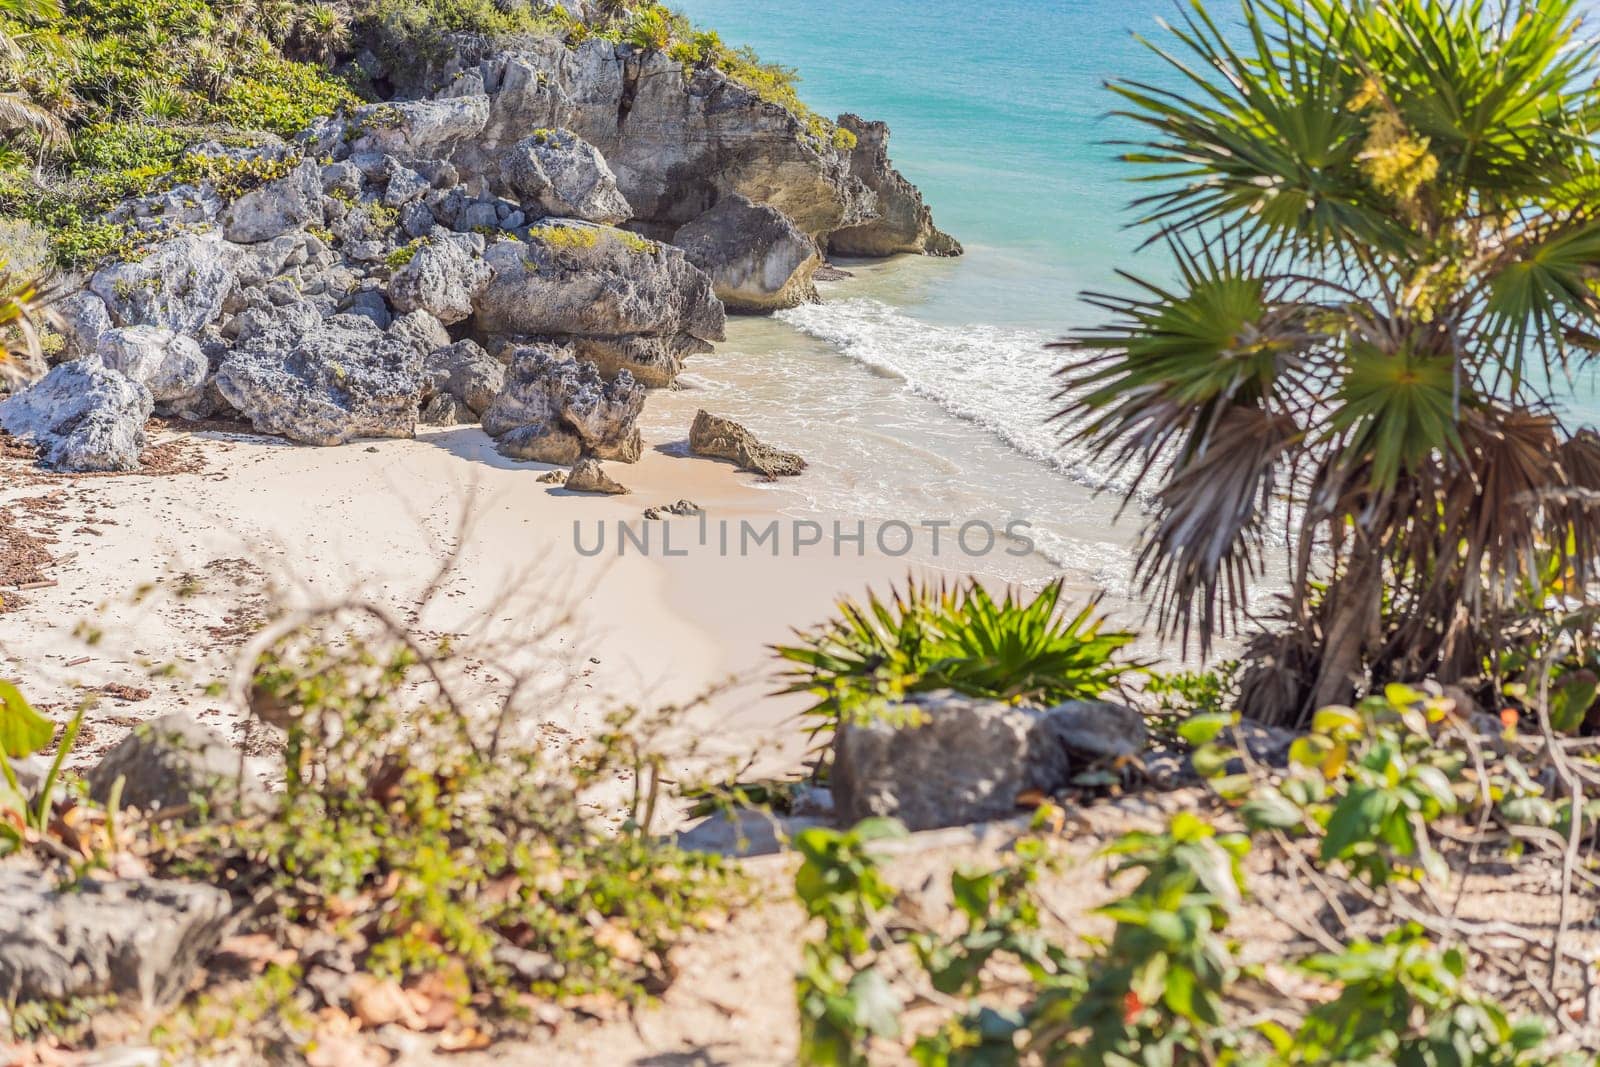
903,223
720,438
676,143
556,409
82,416
466,373
168,364
277,207
968,761
443,278
624,302
140,939
757,258
339,379
563,175
414,129
180,284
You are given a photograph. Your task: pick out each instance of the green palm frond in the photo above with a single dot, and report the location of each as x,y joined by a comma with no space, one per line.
1260,141
1156,377
1395,411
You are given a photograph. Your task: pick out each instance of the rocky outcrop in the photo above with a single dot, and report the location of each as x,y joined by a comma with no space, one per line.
180,284
757,258
168,364
339,379
82,416
138,939
408,129
588,476
443,277
556,409
720,438
556,172
903,223
622,301
677,139
174,762
465,373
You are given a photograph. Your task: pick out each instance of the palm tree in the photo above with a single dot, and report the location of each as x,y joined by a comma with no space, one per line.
1385,216
19,112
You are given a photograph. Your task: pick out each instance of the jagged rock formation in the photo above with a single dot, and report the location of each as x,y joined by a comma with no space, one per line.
304,285
903,223
720,438
324,383
757,258
557,409
82,416
625,302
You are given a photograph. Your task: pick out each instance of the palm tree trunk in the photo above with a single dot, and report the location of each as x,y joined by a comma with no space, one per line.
1351,620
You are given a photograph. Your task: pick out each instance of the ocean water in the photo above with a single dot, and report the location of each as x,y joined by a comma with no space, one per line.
922,388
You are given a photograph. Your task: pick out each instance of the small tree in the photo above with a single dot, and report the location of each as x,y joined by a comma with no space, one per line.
1386,222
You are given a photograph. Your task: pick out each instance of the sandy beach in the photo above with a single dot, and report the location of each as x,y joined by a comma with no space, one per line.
159,578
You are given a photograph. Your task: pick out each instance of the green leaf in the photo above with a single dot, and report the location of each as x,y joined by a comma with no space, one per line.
875,1006
1336,720
1200,729
1358,817
1529,811
23,731
1270,810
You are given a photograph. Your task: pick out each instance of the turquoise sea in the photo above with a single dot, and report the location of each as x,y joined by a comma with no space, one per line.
998,115
921,386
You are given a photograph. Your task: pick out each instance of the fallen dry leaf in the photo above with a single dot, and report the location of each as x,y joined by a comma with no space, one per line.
377,1003
462,1039
336,1042
620,942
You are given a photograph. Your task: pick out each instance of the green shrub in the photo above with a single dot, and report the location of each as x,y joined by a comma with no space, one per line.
952,637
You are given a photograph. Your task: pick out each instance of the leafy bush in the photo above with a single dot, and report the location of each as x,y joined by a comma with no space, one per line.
423,850
952,637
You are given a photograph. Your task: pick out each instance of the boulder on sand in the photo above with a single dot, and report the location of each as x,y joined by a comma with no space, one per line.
556,409
757,258
720,438
324,384
82,416
168,364
587,476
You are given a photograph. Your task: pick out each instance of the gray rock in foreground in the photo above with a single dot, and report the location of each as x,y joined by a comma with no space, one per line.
757,258
82,416
172,762
324,385
139,939
1098,729
968,761
720,438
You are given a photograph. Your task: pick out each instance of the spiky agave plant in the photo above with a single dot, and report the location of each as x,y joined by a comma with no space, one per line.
1386,222
936,636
